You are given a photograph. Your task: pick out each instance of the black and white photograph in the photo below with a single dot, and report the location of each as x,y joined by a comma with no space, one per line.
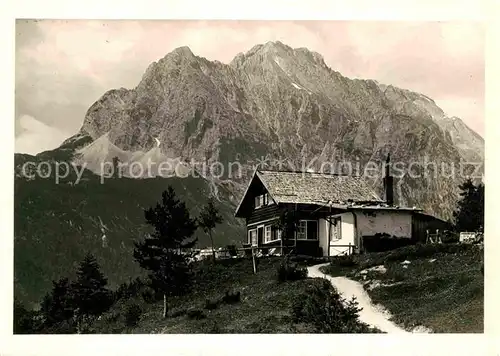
248,177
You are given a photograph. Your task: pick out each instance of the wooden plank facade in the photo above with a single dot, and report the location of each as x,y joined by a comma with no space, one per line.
334,215
262,219
421,223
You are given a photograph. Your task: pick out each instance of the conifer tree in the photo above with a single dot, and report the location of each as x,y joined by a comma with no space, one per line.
57,306
23,319
469,215
209,218
90,295
161,252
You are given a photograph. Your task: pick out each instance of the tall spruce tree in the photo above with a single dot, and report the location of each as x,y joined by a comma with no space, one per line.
469,215
208,220
90,295
58,306
161,252
23,319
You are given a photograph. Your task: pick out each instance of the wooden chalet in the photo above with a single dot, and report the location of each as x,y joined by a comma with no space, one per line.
333,213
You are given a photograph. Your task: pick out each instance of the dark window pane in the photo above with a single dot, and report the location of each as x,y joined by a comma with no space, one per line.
301,230
312,230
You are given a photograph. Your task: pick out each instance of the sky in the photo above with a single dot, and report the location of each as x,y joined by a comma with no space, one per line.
64,66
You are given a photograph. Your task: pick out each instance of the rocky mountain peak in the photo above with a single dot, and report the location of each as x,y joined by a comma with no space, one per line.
181,52
285,102
276,51
179,58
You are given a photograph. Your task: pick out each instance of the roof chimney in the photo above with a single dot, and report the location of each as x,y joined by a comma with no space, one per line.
388,182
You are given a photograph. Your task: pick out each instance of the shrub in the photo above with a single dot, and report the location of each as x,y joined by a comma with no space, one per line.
289,271
413,252
214,328
23,319
178,313
196,314
231,249
211,304
63,327
424,251
450,237
148,296
306,260
85,324
385,242
324,308
209,327
112,317
231,298
129,290
344,261
132,315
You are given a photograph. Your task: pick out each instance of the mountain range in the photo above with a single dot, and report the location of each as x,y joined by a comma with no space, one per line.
273,106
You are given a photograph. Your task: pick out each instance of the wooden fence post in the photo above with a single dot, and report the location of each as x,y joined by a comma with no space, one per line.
253,261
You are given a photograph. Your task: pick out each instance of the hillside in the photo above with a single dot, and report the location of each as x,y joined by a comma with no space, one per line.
440,287
56,224
260,303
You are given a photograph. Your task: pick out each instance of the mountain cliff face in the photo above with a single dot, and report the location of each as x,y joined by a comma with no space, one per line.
287,105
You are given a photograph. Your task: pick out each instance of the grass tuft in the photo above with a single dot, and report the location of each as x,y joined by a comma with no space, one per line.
290,271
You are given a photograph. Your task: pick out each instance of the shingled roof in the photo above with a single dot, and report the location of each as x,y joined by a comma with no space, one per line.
316,188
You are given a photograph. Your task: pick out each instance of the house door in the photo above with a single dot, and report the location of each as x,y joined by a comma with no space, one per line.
260,234
341,235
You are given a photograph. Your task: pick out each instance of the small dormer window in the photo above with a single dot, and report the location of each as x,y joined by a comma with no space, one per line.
262,200
258,201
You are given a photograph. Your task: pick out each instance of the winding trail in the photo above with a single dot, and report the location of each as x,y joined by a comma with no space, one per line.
370,314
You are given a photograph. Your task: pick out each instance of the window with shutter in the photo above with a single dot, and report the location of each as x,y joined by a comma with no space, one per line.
301,230
335,229
267,235
252,237
258,201
307,230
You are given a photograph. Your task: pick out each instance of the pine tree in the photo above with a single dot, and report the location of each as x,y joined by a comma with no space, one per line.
23,319
469,215
209,218
57,306
90,295
161,252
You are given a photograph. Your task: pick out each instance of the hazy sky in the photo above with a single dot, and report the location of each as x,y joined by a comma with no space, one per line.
63,67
